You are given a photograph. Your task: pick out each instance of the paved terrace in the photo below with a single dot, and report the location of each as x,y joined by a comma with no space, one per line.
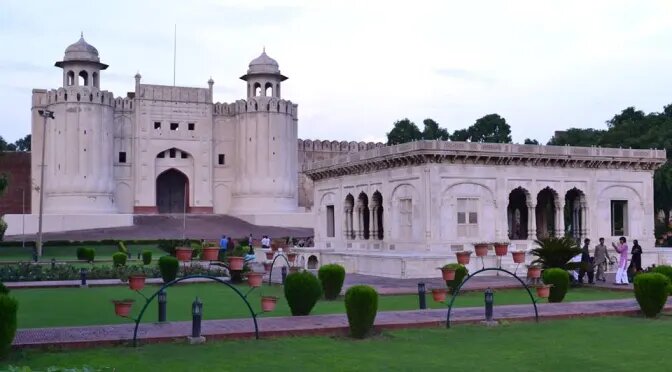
81,337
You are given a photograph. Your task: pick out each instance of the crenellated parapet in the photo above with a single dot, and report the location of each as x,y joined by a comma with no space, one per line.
123,104
257,104
74,94
172,94
337,146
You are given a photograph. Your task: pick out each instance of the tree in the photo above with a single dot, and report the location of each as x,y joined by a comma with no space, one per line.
577,137
23,144
432,131
460,135
4,146
404,131
490,128
531,141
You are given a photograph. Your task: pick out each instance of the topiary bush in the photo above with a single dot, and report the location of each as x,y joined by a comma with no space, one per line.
3,290
89,254
81,253
169,266
119,259
302,290
361,306
461,272
559,278
146,257
8,308
331,276
665,270
651,292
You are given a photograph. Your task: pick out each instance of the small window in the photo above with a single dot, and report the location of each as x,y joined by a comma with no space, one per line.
221,159
172,153
467,217
157,125
330,221
184,155
122,157
619,217
191,126
174,126
161,155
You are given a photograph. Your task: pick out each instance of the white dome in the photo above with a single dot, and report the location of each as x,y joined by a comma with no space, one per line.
263,65
81,51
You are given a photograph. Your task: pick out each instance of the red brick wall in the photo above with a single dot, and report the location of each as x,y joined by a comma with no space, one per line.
16,165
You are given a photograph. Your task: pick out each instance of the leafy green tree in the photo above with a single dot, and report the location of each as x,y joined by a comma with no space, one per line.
23,144
460,135
404,131
4,146
577,137
491,128
432,131
531,141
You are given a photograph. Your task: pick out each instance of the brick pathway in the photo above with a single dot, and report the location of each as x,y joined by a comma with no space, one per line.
81,337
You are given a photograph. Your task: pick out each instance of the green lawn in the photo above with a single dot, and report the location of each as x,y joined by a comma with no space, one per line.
56,307
70,252
589,344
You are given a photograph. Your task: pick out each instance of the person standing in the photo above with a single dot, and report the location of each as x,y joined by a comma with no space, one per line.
265,242
249,241
636,260
622,249
601,256
586,264
223,244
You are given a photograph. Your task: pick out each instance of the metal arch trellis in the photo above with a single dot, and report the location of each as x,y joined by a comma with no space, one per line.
270,272
171,283
498,269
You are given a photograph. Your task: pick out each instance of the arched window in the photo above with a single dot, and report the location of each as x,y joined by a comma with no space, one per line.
94,76
268,90
257,89
363,217
377,216
83,78
71,78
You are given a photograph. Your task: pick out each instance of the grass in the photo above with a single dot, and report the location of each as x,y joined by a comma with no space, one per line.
91,306
61,253
595,344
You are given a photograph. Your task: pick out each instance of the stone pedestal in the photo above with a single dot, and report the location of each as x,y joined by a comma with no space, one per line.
196,340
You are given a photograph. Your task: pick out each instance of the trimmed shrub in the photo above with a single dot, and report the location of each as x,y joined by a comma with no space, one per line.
81,253
361,306
3,290
146,257
169,266
302,290
651,292
559,278
331,276
119,259
89,254
8,307
461,272
665,270
3,228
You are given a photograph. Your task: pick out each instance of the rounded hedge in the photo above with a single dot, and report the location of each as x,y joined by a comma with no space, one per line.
3,290
8,308
81,253
146,257
88,254
331,276
461,272
651,292
665,270
559,278
169,266
119,259
361,306
302,290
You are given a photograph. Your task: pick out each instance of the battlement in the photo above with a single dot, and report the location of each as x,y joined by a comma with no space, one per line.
123,104
337,146
173,94
43,97
257,104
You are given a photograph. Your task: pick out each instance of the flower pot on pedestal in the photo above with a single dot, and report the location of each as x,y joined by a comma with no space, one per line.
501,249
534,272
122,307
236,263
481,249
254,279
518,257
439,294
463,257
447,273
210,254
544,290
183,254
136,282
268,303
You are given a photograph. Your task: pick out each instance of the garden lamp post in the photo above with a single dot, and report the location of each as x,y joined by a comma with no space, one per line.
163,300
489,301
82,276
45,115
421,296
197,315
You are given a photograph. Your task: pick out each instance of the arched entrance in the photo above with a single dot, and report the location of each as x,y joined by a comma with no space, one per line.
171,191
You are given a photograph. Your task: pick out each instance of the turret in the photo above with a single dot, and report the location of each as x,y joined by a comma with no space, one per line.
263,77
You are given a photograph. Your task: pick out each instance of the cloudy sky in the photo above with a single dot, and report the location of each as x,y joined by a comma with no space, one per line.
355,67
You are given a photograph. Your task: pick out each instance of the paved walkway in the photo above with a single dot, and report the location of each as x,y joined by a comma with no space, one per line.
81,337
90,283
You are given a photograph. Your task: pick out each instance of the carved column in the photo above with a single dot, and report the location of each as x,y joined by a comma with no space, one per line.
360,222
347,226
584,219
531,222
560,219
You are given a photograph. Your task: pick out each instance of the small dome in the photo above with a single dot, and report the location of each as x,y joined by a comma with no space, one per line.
81,51
263,65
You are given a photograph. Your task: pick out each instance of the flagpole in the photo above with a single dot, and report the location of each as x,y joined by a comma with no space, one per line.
174,53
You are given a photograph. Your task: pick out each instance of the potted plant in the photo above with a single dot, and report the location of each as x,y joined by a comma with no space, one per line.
268,303
254,279
270,255
439,294
209,252
236,258
123,307
501,248
518,256
534,271
463,257
136,281
543,290
291,257
183,253
481,249
448,272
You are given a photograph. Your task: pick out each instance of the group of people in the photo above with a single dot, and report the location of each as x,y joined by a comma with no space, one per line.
601,257
265,243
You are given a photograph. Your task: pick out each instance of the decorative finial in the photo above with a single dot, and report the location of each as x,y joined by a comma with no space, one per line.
264,51
81,34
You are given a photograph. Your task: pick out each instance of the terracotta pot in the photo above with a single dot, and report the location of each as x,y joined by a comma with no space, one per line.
463,258
481,250
518,257
122,307
254,279
534,272
183,253
267,266
543,291
501,249
447,273
291,257
439,294
293,269
236,263
268,303
270,255
136,282
210,254
274,247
